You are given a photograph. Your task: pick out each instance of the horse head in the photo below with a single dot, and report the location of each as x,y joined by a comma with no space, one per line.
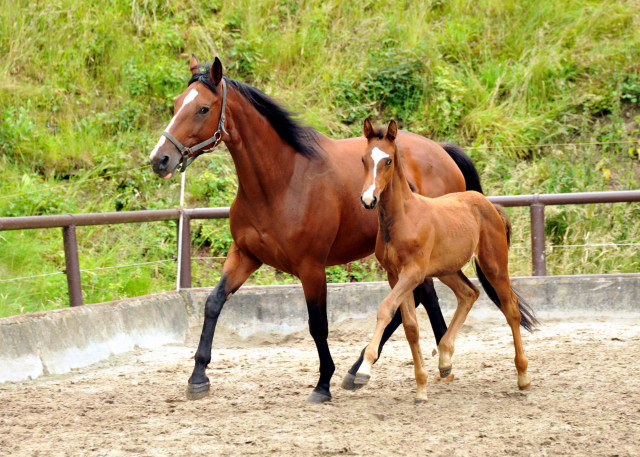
197,124
379,161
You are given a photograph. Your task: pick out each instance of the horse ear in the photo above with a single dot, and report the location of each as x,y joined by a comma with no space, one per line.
367,128
392,130
193,65
216,72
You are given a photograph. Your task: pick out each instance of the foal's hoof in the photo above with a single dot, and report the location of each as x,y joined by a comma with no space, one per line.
420,401
524,382
198,391
437,377
445,372
318,397
527,387
361,379
348,383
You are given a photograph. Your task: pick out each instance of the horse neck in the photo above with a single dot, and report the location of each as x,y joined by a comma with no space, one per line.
395,195
264,162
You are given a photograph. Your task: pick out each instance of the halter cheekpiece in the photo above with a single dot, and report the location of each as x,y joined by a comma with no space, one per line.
201,148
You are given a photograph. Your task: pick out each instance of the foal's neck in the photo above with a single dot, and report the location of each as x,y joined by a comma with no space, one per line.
394,197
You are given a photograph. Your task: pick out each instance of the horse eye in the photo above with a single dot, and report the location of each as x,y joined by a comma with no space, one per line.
362,158
389,162
204,110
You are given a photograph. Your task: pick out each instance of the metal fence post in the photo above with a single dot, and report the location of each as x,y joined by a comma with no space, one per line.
538,255
72,265
185,253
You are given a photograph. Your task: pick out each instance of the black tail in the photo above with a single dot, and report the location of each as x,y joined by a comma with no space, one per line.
527,317
468,169
466,166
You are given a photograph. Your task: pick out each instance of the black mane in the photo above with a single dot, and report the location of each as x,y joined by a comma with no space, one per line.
302,138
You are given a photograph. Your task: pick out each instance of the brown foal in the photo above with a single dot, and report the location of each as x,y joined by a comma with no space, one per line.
419,238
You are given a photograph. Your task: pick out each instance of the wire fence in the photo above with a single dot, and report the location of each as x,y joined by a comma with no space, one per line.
550,247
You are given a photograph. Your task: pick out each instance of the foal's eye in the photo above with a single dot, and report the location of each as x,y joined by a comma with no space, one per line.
389,162
362,158
204,110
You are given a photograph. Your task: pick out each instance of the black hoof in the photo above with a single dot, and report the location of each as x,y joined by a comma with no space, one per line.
446,372
198,391
318,397
361,379
349,384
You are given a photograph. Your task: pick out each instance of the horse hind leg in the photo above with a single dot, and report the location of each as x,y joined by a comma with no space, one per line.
511,311
412,332
509,306
466,294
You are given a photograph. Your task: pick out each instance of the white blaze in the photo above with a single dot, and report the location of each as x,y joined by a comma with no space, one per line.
377,155
188,99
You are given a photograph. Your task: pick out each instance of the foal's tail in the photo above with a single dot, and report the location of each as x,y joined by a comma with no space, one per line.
527,316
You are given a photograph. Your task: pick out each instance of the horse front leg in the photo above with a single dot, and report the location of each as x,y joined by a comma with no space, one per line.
386,312
425,293
237,268
314,285
412,332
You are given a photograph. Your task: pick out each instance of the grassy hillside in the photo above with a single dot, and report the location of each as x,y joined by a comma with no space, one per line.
545,97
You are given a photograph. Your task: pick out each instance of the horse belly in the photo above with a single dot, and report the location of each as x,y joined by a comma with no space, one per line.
452,252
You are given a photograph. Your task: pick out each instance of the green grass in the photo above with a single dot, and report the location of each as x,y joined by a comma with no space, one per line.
86,88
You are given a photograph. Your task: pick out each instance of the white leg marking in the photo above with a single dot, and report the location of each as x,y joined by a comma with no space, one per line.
188,99
365,369
377,155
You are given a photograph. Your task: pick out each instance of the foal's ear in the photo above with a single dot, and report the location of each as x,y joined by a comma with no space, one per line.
367,128
392,130
216,72
193,65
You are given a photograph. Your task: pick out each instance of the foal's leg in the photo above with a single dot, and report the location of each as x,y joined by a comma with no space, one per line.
467,294
509,307
425,293
314,284
387,310
412,332
237,268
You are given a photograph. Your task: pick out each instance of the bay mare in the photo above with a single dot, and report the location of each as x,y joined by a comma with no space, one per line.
297,207
420,237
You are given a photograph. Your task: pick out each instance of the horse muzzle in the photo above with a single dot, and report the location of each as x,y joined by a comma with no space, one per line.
164,165
369,202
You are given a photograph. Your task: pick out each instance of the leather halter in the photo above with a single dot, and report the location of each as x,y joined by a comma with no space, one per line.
190,154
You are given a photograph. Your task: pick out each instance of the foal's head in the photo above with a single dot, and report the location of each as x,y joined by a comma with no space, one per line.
379,161
196,118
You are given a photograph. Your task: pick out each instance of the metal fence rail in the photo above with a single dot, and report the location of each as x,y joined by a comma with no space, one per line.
69,222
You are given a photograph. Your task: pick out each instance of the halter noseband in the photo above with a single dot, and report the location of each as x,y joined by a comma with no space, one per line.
200,148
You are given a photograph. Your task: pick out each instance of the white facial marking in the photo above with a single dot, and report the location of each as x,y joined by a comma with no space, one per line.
377,155
188,99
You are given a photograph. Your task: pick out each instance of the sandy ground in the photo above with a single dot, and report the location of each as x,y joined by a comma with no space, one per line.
585,398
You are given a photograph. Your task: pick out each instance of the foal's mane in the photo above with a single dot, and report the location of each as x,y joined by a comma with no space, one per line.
302,138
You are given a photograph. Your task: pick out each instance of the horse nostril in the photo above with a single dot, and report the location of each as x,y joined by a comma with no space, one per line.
164,162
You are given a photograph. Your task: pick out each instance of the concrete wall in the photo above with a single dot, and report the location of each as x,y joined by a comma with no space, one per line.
57,341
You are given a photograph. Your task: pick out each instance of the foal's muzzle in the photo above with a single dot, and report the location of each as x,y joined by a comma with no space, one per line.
369,203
